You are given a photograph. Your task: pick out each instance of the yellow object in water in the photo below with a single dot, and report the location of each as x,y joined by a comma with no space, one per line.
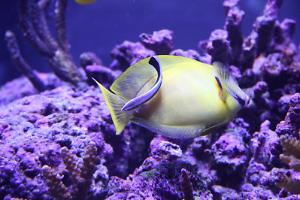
85,1
174,96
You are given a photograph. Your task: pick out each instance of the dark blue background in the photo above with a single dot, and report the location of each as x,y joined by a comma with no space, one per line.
100,26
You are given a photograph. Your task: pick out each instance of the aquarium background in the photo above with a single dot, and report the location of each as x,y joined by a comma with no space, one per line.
98,28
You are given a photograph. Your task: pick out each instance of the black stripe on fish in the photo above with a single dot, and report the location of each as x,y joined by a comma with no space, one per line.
219,83
139,100
155,63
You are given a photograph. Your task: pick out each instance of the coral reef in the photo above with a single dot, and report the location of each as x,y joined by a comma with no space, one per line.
60,143
36,129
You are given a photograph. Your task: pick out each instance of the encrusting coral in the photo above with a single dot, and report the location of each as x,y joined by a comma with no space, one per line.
35,130
60,143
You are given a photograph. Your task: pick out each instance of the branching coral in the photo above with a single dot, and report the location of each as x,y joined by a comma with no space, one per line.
56,188
291,157
290,125
218,46
20,62
291,145
233,27
34,25
80,173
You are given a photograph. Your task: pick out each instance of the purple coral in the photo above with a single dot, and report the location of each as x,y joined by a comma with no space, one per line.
230,152
94,68
161,42
129,53
49,121
34,25
290,125
233,26
265,146
218,46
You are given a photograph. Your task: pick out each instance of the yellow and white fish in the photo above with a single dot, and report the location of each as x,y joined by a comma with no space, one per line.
174,96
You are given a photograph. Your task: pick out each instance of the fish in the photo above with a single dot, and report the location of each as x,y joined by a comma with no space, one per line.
174,96
85,2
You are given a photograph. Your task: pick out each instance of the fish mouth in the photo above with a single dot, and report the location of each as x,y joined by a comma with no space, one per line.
243,101
240,100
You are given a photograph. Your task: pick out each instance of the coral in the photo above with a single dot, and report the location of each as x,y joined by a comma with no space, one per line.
218,46
19,61
291,157
130,148
35,128
186,185
200,147
265,146
56,188
230,152
35,28
249,191
129,53
233,27
249,50
161,42
283,34
94,68
21,87
221,192
81,174
290,125
159,175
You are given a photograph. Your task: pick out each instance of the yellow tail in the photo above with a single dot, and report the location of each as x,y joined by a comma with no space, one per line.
115,104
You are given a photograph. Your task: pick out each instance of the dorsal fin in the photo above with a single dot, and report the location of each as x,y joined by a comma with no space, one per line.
139,100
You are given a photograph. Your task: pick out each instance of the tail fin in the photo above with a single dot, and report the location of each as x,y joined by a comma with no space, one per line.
115,104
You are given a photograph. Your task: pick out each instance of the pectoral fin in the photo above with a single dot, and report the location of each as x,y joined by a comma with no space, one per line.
141,99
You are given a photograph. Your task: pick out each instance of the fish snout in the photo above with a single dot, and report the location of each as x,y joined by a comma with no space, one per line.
245,101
